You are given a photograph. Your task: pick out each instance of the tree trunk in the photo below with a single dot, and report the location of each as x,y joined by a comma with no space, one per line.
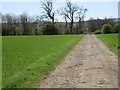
71,27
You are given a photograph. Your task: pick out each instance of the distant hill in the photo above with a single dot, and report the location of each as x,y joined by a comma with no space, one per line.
115,19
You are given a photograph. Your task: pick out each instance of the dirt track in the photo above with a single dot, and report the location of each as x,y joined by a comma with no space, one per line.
89,65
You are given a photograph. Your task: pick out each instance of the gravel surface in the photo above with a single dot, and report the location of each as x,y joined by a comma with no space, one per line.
89,65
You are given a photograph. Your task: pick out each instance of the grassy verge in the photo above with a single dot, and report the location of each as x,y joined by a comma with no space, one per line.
26,59
111,40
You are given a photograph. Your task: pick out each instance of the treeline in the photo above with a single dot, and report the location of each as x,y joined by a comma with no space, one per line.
104,26
17,25
46,23
108,28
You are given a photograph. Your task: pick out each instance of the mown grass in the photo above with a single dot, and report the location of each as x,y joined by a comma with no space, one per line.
111,40
26,59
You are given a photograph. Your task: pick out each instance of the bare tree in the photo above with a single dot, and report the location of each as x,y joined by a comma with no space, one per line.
69,13
48,10
24,21
81,15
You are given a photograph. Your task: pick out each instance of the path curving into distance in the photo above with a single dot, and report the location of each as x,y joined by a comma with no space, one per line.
89,65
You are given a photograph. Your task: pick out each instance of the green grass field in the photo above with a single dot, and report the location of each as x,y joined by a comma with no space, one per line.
111,40
26,59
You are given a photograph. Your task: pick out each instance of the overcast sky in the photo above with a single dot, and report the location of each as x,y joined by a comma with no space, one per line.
98,8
